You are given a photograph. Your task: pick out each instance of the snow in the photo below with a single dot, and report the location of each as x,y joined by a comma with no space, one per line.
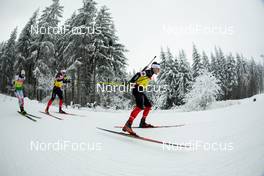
240,124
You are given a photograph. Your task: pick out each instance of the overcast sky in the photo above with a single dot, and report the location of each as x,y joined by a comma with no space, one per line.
145,26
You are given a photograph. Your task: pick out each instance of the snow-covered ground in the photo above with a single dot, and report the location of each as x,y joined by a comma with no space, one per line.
234,133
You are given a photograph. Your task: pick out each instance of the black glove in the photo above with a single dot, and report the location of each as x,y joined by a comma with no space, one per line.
66,80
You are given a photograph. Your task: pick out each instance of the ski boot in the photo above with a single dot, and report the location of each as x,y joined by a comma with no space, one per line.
127,128
62,112
22,111
47,110
143,124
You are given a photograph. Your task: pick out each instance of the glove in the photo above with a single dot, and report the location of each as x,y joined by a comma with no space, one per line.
66,80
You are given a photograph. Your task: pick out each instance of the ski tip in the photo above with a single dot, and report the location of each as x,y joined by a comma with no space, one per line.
99,128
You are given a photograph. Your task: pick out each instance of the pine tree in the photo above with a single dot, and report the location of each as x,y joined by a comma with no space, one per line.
260,81
169,77
110,61
8,59
253,78
50,18
26,49
242,76
26,38
220,70
63,44
205,61
45,59
82,47
185,77
197,66
231,76
99,51
2,47
213,64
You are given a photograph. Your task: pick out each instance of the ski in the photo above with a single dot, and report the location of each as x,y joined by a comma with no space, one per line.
156,126
51,115
27,116
142,138
66,113
31,115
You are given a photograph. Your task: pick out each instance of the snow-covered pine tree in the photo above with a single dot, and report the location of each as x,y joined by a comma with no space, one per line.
204,91
213,65
110,61
197,65
26,39
8,59
45,58
205,61
219,71
260,68
242,76
253,78
99,50
230,82
169,77
2,47
159,97
26,49
50,17
81,47
70,57
216,68
185,77
64,58
104,42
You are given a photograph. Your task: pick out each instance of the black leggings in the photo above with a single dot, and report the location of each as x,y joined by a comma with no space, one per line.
56,91
141,99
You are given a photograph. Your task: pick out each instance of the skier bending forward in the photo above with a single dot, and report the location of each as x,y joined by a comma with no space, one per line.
58,83
141,80
19,81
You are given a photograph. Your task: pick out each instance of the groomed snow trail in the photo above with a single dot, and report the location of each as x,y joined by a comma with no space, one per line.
241,124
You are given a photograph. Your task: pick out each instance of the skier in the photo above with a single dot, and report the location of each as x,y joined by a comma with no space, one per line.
58,83
18,82
141,80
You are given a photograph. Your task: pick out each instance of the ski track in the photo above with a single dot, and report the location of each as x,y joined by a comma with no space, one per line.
241,123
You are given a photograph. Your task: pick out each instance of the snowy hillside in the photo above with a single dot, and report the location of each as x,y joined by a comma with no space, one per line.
236,131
